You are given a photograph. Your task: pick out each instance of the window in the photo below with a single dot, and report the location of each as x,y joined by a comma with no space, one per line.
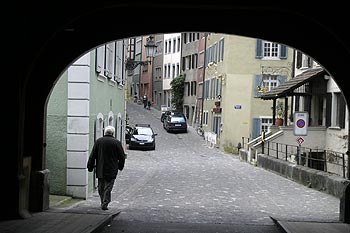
169,71
303,61
335,110
265,124
118,68
221,49
99,126
99,59
270,81
193,88
216,125
340,110
159,47
270,49
205,117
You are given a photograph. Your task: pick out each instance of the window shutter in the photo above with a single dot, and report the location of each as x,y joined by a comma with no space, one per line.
257,82
281,79
259,52
309,62
99,59
222,49
283,51
299,59
342,107
256,127
328,109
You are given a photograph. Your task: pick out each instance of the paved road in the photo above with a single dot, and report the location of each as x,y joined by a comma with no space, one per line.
184,186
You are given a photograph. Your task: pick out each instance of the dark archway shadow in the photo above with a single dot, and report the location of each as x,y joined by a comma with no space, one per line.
46,38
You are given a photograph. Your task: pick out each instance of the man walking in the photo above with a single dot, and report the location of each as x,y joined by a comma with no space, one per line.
145,99
107,156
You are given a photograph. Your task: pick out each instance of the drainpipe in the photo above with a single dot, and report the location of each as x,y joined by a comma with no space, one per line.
205,55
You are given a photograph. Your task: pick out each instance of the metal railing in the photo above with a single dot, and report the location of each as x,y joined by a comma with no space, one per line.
324,160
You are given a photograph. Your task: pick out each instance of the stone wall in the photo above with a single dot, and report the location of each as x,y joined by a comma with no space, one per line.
326,182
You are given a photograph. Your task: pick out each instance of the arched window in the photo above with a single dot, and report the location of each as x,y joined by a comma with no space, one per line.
99,126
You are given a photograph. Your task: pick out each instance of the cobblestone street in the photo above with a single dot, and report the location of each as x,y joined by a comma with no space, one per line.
185,182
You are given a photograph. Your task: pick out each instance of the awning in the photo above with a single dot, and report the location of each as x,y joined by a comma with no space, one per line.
287,88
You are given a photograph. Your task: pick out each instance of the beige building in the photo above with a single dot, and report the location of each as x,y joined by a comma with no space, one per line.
235,67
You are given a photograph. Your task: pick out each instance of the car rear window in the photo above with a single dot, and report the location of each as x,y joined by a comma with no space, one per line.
178,119
144,131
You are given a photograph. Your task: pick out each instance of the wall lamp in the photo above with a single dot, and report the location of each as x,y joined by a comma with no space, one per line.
150,48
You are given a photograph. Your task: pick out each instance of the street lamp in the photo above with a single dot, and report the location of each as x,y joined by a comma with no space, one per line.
150,52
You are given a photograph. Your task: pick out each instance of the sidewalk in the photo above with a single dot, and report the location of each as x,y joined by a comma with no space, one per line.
61,217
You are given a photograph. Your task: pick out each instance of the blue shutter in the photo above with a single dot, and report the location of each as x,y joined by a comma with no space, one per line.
259,52
256,128
281,79
257,82
283,52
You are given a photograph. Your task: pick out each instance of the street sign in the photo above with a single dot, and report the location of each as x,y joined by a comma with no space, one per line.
300,140
301,120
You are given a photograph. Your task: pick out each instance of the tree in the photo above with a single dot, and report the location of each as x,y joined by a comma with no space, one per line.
177,91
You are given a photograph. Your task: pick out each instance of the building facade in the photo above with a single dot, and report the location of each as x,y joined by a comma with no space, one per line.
171,64
235,66
190,68
88,96
157,66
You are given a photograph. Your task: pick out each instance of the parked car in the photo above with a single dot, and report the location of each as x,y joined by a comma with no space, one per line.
175,122
141,136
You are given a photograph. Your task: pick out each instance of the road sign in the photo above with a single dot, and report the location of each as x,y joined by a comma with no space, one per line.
300,123
300,140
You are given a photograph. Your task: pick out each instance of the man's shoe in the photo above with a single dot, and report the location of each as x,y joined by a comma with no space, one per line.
104,207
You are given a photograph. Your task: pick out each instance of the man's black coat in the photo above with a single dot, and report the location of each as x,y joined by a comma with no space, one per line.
107,156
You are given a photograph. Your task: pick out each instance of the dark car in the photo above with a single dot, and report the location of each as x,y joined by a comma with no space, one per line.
141,136
175,122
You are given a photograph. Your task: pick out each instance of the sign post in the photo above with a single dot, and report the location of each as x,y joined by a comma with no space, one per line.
301,121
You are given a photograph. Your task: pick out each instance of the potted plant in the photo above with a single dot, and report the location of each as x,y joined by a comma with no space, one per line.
279,113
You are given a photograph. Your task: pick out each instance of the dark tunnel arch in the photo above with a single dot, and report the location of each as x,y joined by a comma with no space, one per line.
54,40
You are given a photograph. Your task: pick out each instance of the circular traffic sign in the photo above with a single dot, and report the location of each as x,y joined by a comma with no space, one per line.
300,123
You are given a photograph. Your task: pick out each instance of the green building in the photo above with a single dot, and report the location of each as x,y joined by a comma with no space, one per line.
88,96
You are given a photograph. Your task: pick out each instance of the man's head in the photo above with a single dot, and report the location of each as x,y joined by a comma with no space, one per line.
109,130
